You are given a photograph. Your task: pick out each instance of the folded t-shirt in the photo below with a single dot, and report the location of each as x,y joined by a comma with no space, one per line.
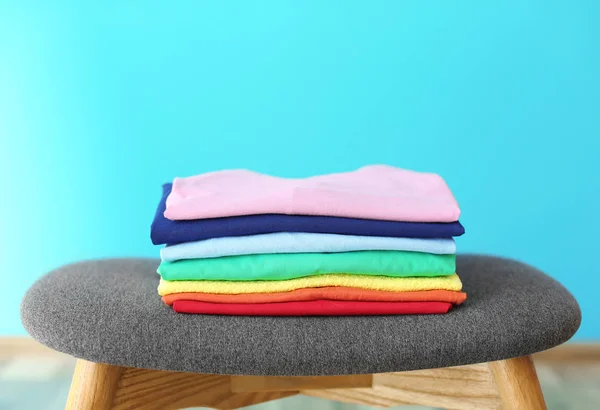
174,232
313,308
283,266
373,192
387,283
325,293
301,242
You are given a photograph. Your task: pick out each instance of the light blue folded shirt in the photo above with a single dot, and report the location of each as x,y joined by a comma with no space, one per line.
300,242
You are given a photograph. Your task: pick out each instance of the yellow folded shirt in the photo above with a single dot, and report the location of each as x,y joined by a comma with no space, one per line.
387,283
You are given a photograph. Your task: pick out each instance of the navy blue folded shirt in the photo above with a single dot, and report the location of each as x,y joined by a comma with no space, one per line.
173,232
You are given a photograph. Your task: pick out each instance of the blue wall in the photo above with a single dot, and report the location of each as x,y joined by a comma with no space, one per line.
100,105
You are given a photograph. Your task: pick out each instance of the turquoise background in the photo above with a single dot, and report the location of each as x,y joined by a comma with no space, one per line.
100,104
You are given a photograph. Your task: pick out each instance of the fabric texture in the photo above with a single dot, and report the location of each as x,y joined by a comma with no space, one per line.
164,230
411,284
372,192
312,308
324,293
282,266
107,311
301,242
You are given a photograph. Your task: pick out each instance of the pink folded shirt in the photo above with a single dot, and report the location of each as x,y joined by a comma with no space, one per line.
372,192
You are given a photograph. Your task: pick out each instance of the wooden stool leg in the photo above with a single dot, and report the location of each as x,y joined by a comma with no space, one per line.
94,386
518,384
99,386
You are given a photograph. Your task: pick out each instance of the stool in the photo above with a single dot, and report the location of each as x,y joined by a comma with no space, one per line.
135,353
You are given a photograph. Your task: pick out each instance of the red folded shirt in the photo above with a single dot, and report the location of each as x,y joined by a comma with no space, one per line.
312,308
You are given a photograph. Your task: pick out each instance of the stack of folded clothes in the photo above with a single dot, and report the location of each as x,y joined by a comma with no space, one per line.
375,241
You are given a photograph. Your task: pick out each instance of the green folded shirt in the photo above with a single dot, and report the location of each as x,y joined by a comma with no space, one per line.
278,266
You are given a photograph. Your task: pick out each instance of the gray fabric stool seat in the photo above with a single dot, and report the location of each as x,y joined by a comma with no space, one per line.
108,311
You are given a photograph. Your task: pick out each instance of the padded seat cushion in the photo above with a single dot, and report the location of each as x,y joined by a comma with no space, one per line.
109,311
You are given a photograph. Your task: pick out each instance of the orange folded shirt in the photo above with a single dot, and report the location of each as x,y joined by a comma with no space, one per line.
325,293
